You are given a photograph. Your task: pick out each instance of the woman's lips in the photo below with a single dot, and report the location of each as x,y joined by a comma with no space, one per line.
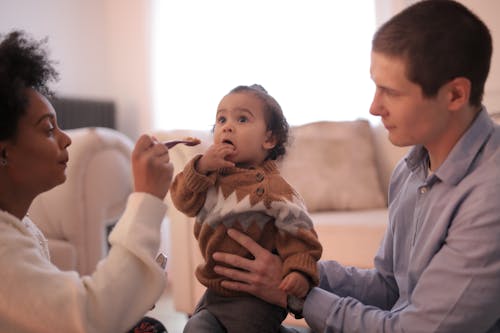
64,162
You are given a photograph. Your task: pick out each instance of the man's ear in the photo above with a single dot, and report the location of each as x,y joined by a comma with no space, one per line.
458,93
270,141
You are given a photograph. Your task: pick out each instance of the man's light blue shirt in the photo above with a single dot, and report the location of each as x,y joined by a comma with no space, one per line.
438,267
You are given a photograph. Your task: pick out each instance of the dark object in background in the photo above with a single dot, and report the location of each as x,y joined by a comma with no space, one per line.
80,112
148,325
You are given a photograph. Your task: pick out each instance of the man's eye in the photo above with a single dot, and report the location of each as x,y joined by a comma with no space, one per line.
391,92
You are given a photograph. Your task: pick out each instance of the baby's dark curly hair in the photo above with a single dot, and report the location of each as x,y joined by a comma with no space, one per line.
275,119
24,64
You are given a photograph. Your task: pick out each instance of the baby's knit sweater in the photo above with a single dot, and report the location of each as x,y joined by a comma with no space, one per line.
256,201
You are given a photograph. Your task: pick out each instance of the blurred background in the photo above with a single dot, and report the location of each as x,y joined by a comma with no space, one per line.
166,64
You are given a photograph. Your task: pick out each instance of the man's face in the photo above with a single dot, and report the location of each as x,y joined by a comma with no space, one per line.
409,117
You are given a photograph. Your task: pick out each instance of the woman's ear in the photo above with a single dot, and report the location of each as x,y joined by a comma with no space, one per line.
458,93
270,141
3,156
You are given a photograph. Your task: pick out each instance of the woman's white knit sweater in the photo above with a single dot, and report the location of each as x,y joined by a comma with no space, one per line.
35,296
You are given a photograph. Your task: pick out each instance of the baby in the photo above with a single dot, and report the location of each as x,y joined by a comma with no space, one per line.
236,184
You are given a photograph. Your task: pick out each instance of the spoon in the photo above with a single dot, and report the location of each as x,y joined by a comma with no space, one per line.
187,141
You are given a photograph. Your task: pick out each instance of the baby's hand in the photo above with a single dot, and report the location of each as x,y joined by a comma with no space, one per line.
295,284
215,158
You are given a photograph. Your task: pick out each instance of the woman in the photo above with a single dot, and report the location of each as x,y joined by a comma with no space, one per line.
35,296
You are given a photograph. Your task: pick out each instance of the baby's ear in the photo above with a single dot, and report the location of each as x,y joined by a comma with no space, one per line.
270,141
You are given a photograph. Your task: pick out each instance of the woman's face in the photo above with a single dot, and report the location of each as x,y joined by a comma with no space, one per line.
37,157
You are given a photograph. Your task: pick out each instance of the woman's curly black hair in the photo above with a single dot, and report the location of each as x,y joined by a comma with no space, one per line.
24,64
275,119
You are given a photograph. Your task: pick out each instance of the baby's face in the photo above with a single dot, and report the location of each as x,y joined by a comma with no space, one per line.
241,122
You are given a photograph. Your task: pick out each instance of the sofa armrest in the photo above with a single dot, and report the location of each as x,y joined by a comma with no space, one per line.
62,254
92,198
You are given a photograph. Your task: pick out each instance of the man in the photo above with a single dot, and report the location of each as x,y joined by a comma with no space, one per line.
438,267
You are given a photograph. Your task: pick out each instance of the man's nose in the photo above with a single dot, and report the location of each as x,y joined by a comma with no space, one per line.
376,107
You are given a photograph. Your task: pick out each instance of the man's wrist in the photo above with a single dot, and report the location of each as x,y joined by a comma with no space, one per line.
295,305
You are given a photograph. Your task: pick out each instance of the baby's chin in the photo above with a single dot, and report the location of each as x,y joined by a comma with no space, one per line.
233,158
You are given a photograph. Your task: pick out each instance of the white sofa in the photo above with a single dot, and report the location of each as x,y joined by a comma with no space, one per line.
76,216
341,169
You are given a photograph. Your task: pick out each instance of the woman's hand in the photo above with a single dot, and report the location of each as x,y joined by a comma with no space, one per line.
151,167
260,277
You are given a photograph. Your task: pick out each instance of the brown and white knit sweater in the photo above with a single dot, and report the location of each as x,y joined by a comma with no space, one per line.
258,202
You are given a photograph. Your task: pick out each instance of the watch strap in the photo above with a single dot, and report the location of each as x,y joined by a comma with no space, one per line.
295,306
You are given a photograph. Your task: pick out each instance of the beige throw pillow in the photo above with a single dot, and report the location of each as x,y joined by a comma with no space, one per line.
332,166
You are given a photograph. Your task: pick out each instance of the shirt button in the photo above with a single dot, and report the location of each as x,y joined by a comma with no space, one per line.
423,190
259,177
259,191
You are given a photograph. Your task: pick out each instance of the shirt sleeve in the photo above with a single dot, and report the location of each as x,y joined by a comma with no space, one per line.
37,297
457,291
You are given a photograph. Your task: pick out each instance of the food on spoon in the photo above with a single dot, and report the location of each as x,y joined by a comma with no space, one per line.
188,141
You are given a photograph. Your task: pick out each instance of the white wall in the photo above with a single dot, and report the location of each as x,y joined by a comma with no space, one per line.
488,11
103,49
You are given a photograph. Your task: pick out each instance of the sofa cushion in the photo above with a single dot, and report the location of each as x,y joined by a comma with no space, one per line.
332,166
496,117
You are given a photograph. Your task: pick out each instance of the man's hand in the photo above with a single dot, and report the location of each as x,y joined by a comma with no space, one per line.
151,167
260,277
215,158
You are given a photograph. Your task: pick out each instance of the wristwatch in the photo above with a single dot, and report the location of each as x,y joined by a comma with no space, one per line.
295,305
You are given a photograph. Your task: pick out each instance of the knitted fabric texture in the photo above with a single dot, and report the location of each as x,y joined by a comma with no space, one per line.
256,201
148,325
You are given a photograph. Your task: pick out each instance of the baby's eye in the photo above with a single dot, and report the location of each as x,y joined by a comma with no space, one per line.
242,119
221,120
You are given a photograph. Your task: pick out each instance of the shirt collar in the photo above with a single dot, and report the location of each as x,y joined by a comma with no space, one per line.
462,155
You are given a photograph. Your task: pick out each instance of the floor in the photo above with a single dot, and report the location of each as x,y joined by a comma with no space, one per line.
174,321
164,311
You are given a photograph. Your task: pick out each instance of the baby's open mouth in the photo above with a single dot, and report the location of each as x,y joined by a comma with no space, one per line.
229,142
